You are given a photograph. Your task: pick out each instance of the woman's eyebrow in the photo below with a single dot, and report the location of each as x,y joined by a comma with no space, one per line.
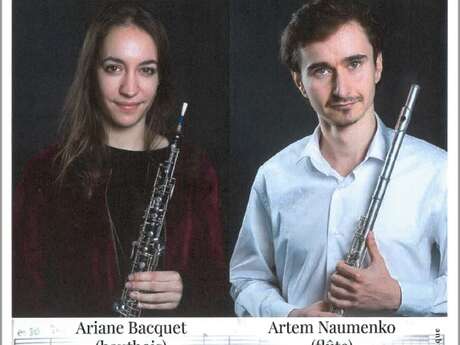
120,61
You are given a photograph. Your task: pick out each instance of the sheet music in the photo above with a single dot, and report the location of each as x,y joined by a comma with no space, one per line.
228,340
41,341
221,331
419,340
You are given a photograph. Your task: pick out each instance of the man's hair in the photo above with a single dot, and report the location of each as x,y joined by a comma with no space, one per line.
82,133
318,19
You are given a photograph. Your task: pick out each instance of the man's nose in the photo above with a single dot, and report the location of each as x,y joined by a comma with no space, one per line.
129,85
340,84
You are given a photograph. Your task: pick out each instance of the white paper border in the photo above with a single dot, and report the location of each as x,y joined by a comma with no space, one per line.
6,171
452,146
218,326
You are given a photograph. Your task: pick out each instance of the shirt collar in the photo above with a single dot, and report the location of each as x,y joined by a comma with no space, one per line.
377,149
380,142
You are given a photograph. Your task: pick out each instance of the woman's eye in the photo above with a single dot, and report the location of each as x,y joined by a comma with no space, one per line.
112,68
148,70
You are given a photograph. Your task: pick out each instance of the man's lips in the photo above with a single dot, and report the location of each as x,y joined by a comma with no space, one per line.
343,105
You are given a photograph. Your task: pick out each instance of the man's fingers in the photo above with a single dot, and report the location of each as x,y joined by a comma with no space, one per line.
327,314
348,271
340,303
340,293
343,282
372,247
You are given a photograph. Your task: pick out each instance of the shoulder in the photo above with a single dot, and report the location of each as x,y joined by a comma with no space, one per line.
422,147
422,154
421,165
195,166
37,179
286,159
41,168
417,154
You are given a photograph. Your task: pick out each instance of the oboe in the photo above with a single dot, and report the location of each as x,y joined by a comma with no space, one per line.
149,247
358,250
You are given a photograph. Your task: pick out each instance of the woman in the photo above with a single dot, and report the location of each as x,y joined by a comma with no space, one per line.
80,203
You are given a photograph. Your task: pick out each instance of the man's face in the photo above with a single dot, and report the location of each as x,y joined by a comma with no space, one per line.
338,76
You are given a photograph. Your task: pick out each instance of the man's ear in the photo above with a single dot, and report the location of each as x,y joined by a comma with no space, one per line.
378,68
297,78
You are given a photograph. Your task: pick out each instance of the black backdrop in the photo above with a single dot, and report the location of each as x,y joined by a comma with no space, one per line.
243,106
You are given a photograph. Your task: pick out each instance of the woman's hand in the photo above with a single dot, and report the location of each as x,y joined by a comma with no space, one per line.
161,290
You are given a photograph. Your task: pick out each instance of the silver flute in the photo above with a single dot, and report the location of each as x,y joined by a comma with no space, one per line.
149,247
358,250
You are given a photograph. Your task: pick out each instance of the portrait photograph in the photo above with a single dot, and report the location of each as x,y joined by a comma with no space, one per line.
232,165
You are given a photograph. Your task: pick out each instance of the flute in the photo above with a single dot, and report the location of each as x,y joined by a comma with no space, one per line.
358,250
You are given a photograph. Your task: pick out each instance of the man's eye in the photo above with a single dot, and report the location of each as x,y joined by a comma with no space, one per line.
354,64
148,70
112,68
321,72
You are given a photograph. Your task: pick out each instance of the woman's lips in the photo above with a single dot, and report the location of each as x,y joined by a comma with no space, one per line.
128,106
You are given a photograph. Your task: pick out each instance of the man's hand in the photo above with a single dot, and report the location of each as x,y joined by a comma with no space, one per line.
156,290
320,308
371,288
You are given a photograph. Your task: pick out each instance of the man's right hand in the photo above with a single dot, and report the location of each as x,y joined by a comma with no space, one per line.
317,309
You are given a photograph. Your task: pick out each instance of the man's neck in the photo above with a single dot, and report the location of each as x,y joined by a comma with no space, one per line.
345,147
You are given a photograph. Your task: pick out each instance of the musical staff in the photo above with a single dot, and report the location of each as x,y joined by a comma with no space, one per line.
217,332
418,339
41,341
227,340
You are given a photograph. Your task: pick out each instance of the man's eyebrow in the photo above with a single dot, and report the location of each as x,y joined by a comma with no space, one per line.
149,62
120,61
317,65
356,57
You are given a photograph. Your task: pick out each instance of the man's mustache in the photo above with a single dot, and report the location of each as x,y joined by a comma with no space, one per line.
337,101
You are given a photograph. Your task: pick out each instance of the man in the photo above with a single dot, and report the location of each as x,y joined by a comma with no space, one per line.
306,200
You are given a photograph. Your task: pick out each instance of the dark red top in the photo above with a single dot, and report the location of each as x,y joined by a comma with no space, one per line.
64,256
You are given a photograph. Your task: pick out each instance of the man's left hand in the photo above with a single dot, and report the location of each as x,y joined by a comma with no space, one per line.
370,288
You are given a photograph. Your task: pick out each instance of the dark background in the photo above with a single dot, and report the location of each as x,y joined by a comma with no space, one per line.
243,105
267,112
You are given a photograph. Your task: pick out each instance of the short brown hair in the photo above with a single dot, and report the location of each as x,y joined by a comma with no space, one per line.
318,19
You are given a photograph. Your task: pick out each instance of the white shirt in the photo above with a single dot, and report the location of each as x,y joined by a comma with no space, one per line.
301,216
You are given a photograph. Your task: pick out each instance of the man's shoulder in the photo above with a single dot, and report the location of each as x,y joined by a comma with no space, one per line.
287,158
421,161
422,151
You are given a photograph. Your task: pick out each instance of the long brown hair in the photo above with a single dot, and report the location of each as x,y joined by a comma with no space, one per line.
82,135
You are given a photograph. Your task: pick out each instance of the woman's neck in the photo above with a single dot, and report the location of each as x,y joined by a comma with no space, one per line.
133,139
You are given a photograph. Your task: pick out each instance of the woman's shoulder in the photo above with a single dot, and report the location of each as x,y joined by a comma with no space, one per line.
42,167
194,163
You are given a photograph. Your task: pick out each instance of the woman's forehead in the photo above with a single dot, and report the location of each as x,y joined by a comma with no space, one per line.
129,42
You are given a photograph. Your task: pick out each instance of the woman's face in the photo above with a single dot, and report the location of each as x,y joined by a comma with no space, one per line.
127,76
